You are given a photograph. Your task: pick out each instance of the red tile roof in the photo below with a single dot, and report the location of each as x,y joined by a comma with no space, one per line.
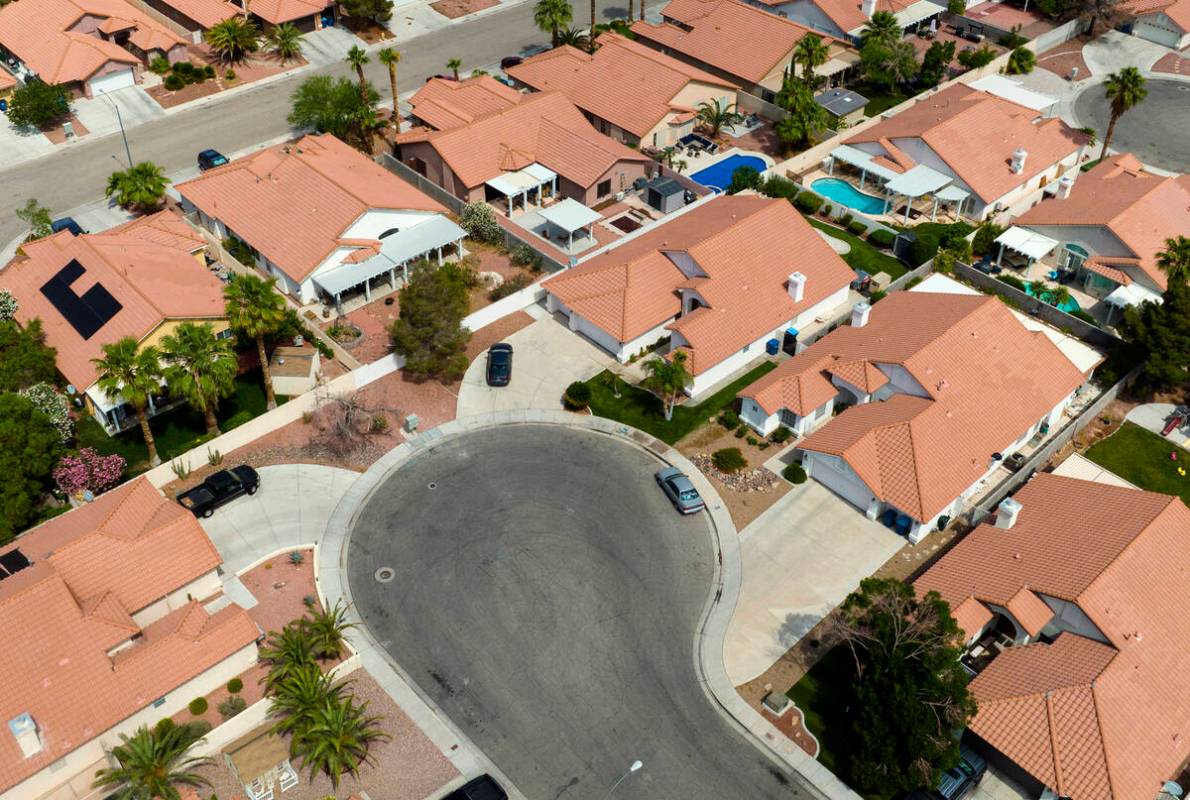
984,381
147,265
1177,10
92,569
745,246
1138,207
443,104
1092,719
278,11
976,133
293,202
207,12
848,14
625,83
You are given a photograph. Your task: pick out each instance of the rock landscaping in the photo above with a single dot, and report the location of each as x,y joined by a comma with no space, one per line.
746,480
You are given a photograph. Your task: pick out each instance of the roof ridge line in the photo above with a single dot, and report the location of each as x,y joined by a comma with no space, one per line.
1053,742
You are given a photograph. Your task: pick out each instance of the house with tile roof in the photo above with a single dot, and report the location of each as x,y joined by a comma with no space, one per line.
442,104
541,147
196,15
720,278
140,279
322,218
974,151
738,42
114,618
1166,22
630,92
1108,226
1071,602
847,18
88,46
913,405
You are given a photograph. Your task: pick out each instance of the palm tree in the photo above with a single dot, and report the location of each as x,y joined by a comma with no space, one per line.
1123,89
575,37
286,653
141,186
390,58
551,16
357,57
326,627
200,368
296,699
453,65
1057,296
592,22
667,377
717,116
153,764
811,52
1174,261
136,376
630,8
255,310
882,26
337,739
232,38
285,40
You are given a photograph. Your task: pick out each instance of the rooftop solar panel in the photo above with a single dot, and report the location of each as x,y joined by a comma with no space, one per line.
13,561
87,313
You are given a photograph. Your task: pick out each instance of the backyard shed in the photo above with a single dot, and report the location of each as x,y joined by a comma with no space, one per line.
294,370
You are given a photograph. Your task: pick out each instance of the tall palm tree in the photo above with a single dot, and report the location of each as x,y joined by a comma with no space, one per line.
285,40
642,12
716,115
453,65
233,38
810,52
337,739
390,58
1123,89
1057,296
153,764
551,16
882,26
1174,261
135,374
326,627
295,700
141,186
592,22
200,368
286,652
630,10
357,57
667,377
255,310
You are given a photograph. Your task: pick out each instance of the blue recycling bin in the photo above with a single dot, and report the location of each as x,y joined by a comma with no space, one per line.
772,347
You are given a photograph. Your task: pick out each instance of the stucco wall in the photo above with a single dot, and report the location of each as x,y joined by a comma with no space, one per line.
200,588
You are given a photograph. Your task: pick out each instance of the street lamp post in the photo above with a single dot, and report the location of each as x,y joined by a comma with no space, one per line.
636,765
120,121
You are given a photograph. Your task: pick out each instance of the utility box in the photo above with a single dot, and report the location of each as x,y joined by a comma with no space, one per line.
666,195
411,423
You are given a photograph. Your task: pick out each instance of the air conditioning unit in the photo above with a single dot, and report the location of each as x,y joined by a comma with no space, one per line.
620,196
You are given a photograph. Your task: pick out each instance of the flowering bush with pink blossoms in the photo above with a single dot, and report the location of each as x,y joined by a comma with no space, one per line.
88,471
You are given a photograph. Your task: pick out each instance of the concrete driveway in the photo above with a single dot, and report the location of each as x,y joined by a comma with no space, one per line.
1152,417
98,113
800,559
546,358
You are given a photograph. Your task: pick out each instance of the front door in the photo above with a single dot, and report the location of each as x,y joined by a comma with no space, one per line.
328,17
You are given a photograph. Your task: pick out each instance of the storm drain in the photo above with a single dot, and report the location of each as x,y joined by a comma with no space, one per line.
431,486
385,574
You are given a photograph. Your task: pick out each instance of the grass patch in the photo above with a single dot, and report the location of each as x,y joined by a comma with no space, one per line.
1141,457
640,409
879,100
863,255
821,695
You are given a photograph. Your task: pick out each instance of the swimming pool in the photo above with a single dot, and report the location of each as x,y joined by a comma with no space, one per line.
718,175
845,194
1070,306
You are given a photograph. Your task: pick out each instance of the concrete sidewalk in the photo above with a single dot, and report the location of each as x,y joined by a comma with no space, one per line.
1152,417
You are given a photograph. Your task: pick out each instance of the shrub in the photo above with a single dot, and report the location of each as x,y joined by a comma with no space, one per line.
237,419
1021,62
198,706
235,686
174,82
230,75
510,286
1012,280
763,446
781,435
88,471
479,220
985,235
882,238
379,423
577,396
208,72
183,68
777,186
744,178
912,283
807,202
845,220
929,236
1013,39
794,473
752,440
857,227
729,460
525,256
159,65
47,400
729,419
741,431
826,210
1084,316
975,58
296,558
956,7
199,728
231,706
877,296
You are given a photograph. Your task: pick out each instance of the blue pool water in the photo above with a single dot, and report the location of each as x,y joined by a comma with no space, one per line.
1069,306
845,194
718,175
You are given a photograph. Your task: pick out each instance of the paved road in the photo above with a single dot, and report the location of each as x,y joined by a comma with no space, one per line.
1155,130
76,174
549,606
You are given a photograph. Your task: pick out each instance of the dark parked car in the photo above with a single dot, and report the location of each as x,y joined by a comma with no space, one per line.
209,159
482,788
511,61
960,779
222,487
499,364
67,224
679,490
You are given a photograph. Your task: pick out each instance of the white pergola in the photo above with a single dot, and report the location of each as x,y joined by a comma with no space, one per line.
522,181
1030,244
917,182
571,216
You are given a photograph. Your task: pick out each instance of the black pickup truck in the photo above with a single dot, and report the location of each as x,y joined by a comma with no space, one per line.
222,487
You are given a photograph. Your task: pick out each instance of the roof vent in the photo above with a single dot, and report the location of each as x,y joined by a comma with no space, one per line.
1007,513
24,730
797,286
860,312
1065,186
1018,160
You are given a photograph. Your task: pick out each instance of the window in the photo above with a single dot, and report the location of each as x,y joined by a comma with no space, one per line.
388,233
604,188
159,702
224,334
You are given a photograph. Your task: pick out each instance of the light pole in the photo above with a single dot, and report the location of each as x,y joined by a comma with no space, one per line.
636,765
120,120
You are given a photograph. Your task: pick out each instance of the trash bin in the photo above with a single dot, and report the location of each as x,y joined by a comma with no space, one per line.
772,347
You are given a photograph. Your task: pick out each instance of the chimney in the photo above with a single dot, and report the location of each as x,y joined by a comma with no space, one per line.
797,286
24,730
1018,160
860,313
1065,185
868,7
1007,513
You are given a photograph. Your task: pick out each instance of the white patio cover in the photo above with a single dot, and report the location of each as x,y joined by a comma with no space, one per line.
395,251
511,184
542,174
1131,295
858,158
917,181
952,194
570,215
1026,242
923,9
1014,90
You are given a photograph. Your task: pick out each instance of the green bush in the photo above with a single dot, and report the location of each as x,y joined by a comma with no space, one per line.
929,236
230,75
235,686
826,210
976,58
1021,62
764,446
479,220
510,286
208,72
729,419
173,82
729,460
956,7
794,473
752,440
882,238
1012,280
1013,39
1084,316
985,236
857,227
777,186
781,435
159,65
741,431
236,420
198,706
744,178
525,256
845,220
231,706
577,396
876,296
807,202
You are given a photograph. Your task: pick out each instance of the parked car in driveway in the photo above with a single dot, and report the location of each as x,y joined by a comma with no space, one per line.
209,159
482,788
680,490
499,364
220,488
511,61
67,224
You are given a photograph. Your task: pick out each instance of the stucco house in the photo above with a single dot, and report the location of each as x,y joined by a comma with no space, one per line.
847,18
719,278
629,92
442,104
322,218
1165,22
1076,636
196,15
108,618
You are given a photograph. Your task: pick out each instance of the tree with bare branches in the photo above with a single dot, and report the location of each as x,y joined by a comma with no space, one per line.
347,424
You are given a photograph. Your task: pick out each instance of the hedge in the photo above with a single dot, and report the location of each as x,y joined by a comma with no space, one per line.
882,238
807,202
577,396
857,227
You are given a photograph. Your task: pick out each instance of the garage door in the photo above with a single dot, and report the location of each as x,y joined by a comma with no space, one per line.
837,477
1157,33
112,81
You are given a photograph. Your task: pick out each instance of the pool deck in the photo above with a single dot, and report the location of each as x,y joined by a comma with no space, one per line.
922,208
703,160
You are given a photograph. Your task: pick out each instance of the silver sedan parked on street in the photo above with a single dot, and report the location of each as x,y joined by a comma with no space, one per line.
680,490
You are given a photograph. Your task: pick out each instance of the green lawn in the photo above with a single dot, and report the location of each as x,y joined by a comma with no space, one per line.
640,409
820,695
1141,457
863,256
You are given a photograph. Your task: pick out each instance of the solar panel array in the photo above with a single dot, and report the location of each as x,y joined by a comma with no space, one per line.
12,562
86,313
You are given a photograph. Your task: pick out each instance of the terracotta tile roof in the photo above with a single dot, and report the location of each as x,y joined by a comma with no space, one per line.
148,266
984,381
7,81
1177,10
625,83
847,14
971,614
1030,611
1111,273
543,127
444,104
1092,719
743,41
976,133
859,373
278,11
1138,207
207,12
91,569
294,202
746,248
803,387
40,35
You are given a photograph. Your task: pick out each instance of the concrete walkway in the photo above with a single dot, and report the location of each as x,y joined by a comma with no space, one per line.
1152,416
838,245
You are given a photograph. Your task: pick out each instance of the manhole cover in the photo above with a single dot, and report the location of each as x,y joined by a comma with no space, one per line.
385,574
431,486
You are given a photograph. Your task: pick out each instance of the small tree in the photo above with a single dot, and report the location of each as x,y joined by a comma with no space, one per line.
805,116
882,26
1096,13
24,357
479,220
811,52
429,331
29,447
716,115
48,401
936,62
1021,62
744,178
667,377
390,58
956,7
39,105
334,106
1160,332
1174,260
154,762
133,373
37,217
379,11
200,368
233,38
337,739
327,628
285,41
453,65
346,424
255,310
974,58
141,187
887,63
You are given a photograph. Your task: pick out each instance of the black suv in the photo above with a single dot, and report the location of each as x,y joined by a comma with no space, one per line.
482,788
222,487
209,159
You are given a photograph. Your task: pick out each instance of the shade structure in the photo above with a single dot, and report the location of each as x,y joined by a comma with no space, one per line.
858,158
917,181
570,215
395,251
1026,242
510,184
1131,295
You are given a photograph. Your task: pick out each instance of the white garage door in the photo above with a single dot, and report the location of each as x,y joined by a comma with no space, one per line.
836,476
112,81
1157,33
